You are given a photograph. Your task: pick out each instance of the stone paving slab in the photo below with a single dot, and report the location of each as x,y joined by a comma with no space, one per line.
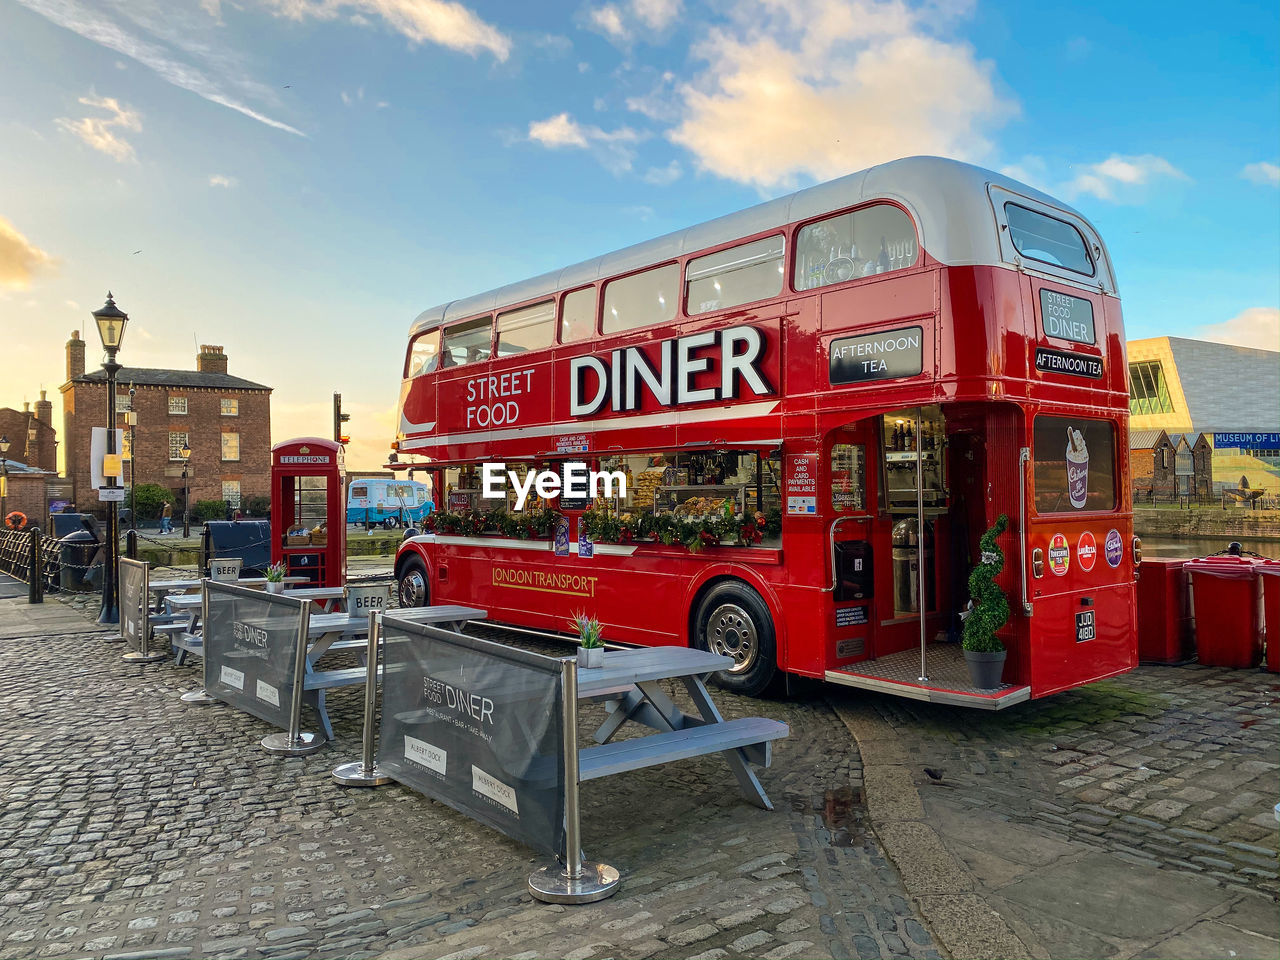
21,619
132,824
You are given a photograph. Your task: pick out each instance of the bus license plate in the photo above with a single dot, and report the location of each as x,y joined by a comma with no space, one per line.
1084,626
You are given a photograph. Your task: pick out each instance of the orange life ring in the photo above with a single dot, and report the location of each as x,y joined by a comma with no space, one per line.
15,520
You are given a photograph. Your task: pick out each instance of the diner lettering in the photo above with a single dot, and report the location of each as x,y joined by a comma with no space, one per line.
722,361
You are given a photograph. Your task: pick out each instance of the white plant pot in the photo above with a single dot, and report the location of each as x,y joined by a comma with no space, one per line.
276,586
589,658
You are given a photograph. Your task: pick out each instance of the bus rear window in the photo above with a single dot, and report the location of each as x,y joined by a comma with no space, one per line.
1075,465
1048,240
467,342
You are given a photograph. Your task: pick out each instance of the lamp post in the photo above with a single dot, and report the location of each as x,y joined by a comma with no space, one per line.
132,419
111,321
186,492
4,476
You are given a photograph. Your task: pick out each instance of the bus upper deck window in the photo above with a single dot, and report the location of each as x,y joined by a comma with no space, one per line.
578,316
642,299
424,354
529,328
741,274
872,240
1047,239
467,342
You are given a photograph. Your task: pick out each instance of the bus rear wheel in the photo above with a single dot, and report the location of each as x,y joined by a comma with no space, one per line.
732,620
413,585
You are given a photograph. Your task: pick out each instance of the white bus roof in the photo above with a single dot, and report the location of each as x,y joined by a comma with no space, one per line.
946,198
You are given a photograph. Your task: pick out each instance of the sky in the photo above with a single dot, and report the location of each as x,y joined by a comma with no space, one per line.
297,179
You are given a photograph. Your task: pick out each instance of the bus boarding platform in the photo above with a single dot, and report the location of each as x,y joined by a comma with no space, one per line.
945,679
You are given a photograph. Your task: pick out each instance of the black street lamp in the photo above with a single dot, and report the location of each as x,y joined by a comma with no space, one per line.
111,321
4,476
186,492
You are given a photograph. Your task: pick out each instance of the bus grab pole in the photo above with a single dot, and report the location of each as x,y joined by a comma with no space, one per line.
920,578
364,772
296,743
578,881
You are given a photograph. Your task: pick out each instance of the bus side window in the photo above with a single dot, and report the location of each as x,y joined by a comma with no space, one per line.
642,299
578,316
424,354
529,328
467,342
875,239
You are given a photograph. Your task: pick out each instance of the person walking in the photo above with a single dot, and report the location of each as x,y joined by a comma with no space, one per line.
166,518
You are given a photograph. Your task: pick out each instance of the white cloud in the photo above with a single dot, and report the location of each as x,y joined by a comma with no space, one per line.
101,133
421,21
609,20
614,149
1257,327
76,17
1102,179
1267,174
1031,170
218,180
820,88
661,176
660,103
20,259
656,14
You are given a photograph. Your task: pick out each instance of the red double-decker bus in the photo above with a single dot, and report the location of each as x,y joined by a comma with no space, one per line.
820,405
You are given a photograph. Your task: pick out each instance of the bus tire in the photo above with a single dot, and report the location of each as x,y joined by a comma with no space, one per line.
413,590
733,620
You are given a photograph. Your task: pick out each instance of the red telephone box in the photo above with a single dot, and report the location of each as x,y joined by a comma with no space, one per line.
309,510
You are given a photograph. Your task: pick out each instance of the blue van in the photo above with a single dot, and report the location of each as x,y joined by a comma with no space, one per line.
389,503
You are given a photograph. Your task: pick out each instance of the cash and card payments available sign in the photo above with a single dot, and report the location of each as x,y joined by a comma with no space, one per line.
477,726
801,482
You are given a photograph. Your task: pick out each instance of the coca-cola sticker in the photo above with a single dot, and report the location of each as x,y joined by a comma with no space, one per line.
1086,551
1059,555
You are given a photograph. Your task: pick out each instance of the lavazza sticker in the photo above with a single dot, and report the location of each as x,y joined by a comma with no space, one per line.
1059,555
1114,547
1086,551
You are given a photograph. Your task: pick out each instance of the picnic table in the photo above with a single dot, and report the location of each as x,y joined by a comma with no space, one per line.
628,686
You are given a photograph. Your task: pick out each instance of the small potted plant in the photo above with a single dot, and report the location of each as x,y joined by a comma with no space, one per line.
590,644
275,578
984,654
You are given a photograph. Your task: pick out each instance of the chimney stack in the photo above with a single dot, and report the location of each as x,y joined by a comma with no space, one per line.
75,356
211,359
44,409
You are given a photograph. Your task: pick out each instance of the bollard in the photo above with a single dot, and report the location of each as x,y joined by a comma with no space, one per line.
131,544
296,743
578,881
364,772
35,567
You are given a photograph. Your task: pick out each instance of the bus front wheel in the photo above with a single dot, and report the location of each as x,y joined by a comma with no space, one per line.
733,621
413,584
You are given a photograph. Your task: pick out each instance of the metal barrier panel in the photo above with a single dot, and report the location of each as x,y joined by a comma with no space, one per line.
475,725
251,649
133,603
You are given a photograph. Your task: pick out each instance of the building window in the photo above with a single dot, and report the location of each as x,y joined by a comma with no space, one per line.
178,405
230,407
231,446
1148,390
122,403
176,442
126,445
231,492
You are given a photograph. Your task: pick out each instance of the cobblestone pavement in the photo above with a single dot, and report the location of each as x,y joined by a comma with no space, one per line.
1166,766
134,825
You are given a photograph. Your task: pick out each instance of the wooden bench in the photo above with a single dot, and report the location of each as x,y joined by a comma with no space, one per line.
694,741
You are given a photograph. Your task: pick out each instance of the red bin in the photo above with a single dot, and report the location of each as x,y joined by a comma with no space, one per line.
1225,596
1269,571
1164,612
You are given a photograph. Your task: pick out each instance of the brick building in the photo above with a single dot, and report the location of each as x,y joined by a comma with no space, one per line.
32,437
226,421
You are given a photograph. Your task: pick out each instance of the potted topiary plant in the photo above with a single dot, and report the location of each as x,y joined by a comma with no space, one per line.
590,644
983,652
